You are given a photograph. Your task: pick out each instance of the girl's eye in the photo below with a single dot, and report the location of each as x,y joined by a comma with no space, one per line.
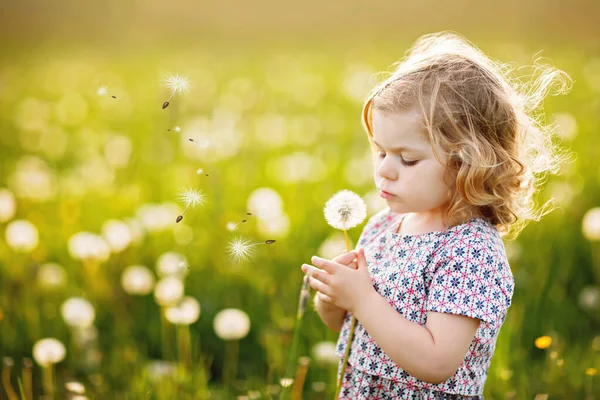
380,154
408,163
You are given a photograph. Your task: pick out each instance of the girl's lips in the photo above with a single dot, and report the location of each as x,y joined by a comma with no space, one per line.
386,195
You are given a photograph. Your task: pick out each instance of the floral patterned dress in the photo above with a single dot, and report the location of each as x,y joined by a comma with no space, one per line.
461,270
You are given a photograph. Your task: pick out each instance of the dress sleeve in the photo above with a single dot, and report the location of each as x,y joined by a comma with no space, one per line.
472,278
374,225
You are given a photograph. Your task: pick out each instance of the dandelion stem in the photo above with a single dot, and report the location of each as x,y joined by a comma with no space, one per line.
348,344
304,294
300,378
183,342
347,240
230,367
10,392
27,378
48,381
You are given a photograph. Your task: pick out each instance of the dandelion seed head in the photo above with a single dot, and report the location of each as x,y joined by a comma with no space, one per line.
345,210
48,351
232,226
177,83
102,91
240,249
192,197
231,324
286,382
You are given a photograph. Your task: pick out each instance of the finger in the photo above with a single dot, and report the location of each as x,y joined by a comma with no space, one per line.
346,258
325,265
362,258
323,298
316,273
353,265
319,286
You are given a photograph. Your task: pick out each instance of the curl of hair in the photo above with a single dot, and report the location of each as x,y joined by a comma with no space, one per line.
487,121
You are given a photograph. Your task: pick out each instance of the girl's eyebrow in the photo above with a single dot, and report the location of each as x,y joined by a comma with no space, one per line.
398,149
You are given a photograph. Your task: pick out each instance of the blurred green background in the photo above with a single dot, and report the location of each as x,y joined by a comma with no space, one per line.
273,110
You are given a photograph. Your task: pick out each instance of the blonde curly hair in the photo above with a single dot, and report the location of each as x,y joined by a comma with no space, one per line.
485,119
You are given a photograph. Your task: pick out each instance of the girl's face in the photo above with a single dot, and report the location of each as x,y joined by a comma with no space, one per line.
405,166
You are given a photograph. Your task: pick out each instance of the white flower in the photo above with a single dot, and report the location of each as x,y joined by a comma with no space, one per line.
160,369
345,210
185,313
591,224
191,197
102,91
177,83
78,313
51,275
276,226
324,352
75,387
172,263
137,280
48,351
231,324
168,291
589,298
8,205
21,235
88,246
241,249
265,203
157,217
117,235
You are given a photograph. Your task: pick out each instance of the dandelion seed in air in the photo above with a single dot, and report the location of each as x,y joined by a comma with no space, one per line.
232,226
191,198
241,249
176,129
176,84
102,91
200,171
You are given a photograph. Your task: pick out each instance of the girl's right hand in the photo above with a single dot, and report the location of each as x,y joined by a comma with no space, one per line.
349,259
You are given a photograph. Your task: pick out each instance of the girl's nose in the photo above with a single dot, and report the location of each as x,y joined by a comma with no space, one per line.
387,169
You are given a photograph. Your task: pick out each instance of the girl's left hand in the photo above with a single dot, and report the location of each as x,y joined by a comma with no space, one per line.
339,285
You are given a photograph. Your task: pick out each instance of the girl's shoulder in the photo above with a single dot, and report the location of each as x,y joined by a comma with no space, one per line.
378,223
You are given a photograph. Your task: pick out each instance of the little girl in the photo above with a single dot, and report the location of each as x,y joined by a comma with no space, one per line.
457,156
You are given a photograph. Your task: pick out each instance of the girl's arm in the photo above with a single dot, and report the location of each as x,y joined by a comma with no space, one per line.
432,353
332,316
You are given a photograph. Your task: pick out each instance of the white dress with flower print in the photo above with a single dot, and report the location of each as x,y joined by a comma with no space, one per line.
462,270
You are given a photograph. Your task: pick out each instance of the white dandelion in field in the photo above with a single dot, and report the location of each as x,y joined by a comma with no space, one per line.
231,324
176,84
190,198
241,249
345,210
232,226
48,351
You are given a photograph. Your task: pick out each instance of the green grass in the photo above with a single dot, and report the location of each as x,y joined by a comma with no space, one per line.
258,107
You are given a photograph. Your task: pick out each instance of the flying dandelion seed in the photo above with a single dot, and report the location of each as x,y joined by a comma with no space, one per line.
232,226
102,91
191,198
176,84
241,249
176,129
